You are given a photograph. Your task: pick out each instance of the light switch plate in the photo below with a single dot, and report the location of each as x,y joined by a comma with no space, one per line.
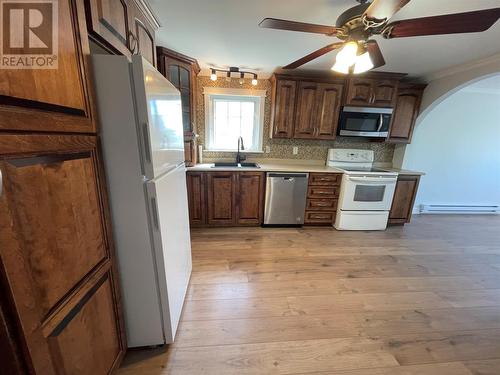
295,150
268,149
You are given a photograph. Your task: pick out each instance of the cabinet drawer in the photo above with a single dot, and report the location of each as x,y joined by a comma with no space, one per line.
323,191
318,217
325,178
321,204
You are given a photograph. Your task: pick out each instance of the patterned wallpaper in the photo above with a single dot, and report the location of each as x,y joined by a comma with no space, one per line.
280,148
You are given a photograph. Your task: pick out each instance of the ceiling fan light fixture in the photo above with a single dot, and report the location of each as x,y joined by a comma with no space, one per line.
363,63
339,67
348,54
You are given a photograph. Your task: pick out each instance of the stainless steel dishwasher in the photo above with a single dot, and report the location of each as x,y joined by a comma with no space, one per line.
285,198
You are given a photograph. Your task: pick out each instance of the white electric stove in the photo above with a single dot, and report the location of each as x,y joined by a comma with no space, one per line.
366,192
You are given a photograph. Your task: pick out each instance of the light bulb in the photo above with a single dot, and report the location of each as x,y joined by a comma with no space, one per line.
242,78
242,81
213,76
347,55
340,68
363,63
254,81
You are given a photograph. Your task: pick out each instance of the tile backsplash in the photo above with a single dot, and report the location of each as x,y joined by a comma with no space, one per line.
280,148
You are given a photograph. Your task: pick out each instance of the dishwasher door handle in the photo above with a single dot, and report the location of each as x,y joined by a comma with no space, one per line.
287,175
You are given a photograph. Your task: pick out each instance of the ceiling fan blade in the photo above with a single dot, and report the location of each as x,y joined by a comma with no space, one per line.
375,54
468,22
313,55
380,10
275,23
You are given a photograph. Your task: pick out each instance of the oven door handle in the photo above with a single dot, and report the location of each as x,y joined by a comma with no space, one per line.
373,179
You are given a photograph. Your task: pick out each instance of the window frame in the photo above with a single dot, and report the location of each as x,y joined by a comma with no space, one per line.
259,98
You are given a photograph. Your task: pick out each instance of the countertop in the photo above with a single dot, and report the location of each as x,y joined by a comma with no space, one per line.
286,167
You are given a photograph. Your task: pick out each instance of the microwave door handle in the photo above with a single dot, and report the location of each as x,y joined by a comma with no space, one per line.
380,122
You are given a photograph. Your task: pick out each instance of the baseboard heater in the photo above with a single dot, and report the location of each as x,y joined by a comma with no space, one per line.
457,209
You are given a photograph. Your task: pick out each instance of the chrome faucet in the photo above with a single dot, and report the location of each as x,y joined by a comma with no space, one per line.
239,157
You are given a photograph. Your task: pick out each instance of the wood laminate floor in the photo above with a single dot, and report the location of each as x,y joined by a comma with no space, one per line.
421,299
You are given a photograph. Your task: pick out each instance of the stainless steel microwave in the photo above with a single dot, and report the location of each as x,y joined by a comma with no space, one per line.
365,121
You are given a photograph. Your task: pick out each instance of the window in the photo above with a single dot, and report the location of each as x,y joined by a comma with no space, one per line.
231,113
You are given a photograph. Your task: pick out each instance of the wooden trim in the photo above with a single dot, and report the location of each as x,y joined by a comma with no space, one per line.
13,145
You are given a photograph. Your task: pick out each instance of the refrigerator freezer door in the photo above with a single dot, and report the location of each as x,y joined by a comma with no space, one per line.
159,117
172,243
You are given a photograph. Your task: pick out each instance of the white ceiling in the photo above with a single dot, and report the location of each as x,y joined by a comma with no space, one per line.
226,33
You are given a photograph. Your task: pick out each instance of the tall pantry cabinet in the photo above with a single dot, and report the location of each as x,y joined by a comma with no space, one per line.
60,310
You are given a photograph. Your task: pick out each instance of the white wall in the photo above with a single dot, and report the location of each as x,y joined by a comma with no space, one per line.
457,145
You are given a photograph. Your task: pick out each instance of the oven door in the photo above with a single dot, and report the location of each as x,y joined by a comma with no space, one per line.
367,192
365,122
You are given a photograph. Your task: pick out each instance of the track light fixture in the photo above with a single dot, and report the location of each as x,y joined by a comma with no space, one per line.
233,69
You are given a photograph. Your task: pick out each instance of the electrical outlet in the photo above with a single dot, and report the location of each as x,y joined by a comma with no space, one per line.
295,150
268,149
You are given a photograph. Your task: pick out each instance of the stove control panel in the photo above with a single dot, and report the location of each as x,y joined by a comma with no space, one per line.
337,155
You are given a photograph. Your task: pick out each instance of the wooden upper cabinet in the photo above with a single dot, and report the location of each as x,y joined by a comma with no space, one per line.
110,20
317,110
328,109
196,198
125,26
359,91
371,92
52,99
404,199
306,108
181,71
283,110
144,34
56,253
220,198
249,198
405,113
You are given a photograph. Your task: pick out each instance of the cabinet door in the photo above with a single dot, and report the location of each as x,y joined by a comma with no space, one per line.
56,253
384,93
250,198
52,99
179,74
196,198
283,108
405,114
404,198
328,108
109,20
220,198
306,108
359,91
144,34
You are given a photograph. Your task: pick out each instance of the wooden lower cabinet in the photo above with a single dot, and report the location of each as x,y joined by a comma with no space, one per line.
196,184
225,198
322,198
57,262
249,198
404,199
220,198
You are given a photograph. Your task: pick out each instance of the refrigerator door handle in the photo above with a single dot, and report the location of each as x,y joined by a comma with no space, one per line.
145,135
154,211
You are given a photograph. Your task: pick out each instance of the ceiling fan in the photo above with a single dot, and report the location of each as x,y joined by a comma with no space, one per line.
358,24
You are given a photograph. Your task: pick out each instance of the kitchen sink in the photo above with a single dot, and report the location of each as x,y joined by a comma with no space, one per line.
235,165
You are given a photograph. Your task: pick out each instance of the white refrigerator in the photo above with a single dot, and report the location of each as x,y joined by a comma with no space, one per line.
142,140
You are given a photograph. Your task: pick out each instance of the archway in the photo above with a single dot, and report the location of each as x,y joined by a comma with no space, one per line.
457,145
